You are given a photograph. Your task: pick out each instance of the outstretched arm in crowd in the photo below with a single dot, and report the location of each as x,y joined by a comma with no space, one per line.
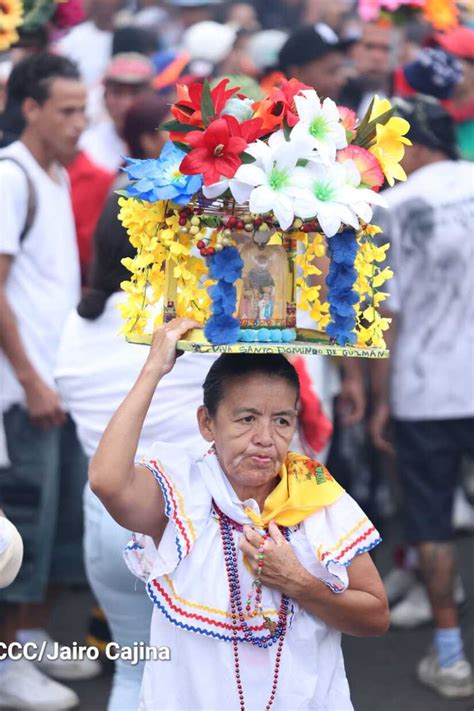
127,490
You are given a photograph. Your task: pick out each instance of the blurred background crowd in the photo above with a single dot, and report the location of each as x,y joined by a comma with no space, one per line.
91,84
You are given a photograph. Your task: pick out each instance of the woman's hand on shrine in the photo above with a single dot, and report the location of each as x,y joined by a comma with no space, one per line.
163,352
280,567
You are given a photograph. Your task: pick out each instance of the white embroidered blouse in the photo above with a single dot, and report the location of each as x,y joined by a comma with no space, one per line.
187,581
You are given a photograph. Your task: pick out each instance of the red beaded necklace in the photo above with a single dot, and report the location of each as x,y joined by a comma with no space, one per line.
277,631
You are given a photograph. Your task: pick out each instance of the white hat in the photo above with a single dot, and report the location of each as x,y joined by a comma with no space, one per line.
209,41
11,552
264,47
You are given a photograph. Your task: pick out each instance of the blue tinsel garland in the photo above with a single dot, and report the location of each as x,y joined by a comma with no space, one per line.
225,267
340,281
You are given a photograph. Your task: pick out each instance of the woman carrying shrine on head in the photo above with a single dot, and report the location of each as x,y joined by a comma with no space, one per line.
255,558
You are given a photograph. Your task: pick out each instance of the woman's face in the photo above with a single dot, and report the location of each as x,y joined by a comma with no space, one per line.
252,430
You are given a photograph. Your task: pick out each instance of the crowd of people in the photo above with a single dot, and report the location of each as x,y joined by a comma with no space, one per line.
73,105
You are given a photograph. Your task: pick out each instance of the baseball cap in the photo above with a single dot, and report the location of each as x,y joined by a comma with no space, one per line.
310,43
434,72
459,42
129,68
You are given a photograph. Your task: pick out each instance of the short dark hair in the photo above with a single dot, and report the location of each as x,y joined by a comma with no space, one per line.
31,78
145,115
233,366
111,245
134,39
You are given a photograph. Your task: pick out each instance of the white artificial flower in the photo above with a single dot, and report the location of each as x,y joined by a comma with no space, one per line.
325,193
240,191
363,198
271,177
321,123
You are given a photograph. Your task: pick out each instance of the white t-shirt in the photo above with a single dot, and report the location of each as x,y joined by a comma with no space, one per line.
90,48
430,227
104,145
43,284
97,368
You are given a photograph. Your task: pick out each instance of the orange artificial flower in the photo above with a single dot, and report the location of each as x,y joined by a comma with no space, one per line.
442,14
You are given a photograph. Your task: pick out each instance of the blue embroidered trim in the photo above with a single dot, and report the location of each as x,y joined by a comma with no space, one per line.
169,509
364,549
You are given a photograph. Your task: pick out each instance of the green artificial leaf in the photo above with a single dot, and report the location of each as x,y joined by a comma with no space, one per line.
183,146
286,131
208,111
37,13
177,127
367,135
246,158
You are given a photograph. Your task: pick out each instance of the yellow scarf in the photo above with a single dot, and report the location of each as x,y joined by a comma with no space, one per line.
305,487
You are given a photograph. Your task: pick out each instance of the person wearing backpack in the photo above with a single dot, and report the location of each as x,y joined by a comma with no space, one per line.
39,285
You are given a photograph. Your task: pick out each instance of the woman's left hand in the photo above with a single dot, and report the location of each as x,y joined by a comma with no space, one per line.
281,568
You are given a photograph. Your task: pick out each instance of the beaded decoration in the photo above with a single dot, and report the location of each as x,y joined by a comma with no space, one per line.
277,630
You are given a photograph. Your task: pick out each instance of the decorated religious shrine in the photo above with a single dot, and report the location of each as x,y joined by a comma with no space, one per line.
256,212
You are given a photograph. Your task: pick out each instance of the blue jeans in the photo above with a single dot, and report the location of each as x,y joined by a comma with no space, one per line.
41,493
121,595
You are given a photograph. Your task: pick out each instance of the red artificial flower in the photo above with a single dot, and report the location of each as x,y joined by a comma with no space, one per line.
280,105
187,108
217,150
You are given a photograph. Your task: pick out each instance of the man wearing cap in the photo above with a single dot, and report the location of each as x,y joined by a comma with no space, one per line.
460,44
427,387
315,56
127,77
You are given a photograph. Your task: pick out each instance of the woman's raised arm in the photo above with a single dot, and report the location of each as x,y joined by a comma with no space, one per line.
128,491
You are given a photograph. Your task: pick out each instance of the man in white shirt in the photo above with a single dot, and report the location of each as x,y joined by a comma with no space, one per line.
39,285
428,384
127,77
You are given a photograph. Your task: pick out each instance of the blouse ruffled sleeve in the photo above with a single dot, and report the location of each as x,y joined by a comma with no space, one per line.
336,535
187,507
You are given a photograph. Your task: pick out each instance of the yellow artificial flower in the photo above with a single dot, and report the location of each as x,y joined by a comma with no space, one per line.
11,14
389,147
390,141
380,106
7,38
442,14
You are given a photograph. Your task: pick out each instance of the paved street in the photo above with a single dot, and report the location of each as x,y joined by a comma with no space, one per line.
381,671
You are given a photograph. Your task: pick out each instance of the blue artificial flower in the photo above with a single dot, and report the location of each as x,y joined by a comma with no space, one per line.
160,178
223,296
343,249
226,265
342,336
341,294
340,276
221,328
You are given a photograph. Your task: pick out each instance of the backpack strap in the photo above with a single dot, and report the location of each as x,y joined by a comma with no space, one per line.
31,205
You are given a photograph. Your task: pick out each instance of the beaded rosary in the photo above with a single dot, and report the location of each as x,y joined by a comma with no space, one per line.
277,630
